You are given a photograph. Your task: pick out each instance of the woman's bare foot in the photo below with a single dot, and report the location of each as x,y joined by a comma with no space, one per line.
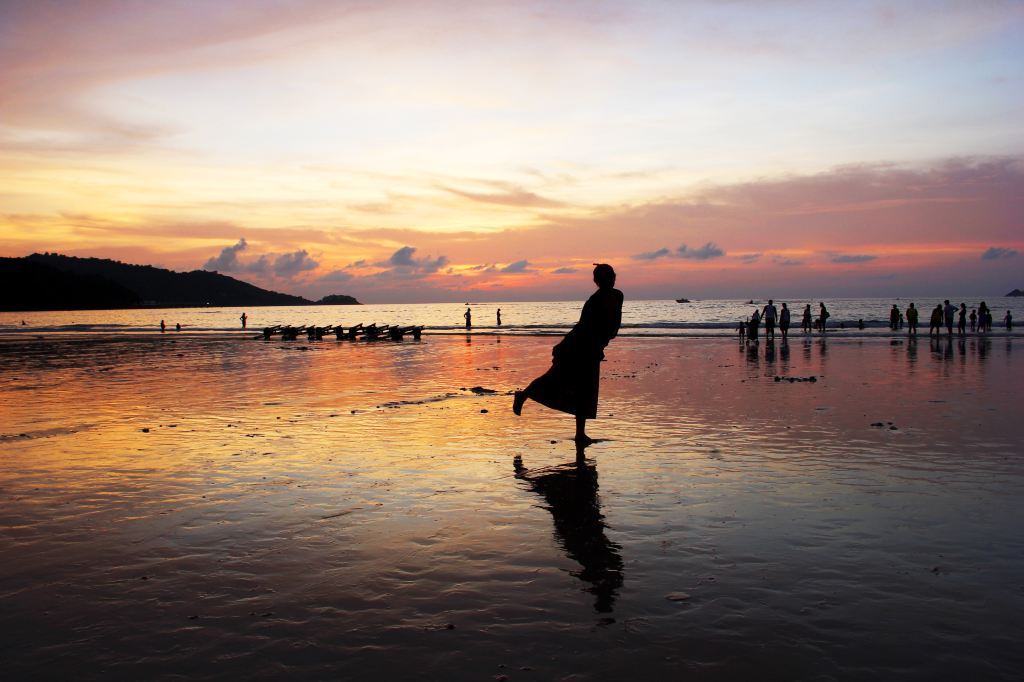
517,402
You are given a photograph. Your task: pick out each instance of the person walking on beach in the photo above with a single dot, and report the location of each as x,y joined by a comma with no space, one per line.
961,321
948,311
983,322
894,317
974,319
755,322
244,318
1009,321
911,320
469,318
743,330
571,384
784,322
499,317
935,323
806,322
768,314
822,316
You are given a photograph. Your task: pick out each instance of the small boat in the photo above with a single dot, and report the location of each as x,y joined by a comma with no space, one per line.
682,300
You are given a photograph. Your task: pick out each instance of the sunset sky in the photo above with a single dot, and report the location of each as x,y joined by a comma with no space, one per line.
440,151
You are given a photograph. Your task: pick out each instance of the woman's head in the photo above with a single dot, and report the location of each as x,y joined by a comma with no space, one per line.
604,275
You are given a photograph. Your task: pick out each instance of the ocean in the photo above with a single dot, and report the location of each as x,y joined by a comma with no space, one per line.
711,317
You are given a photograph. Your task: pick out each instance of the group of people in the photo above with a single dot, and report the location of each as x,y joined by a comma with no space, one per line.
769,315
468,315
946,314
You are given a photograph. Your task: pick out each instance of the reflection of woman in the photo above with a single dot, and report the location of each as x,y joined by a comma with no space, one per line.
571,494
572,382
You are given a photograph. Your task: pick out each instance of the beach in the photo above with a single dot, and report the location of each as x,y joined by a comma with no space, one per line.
209,507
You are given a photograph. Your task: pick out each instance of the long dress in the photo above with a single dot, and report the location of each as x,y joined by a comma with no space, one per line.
571,385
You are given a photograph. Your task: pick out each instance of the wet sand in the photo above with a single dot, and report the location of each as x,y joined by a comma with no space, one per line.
219,508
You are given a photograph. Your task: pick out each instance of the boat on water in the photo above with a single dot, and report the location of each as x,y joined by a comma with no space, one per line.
682,300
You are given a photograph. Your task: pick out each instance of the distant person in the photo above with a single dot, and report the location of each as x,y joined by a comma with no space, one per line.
948,311
894,317
983,314
961,322
784,322
755,322
499,317
860,324
244,318
806,323
23,323
469,318
823,317
901,320
1008,320
911,320
571,384
163,327
177,326
935,323
974,319
743,329
768,316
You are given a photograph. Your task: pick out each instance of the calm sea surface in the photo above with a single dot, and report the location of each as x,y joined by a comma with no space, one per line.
665,318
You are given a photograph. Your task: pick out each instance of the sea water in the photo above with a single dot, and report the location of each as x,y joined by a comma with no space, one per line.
711,317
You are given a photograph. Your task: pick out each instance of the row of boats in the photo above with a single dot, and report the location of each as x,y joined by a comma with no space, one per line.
358,332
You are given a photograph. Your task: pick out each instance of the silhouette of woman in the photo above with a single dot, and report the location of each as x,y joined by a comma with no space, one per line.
570,491
571,385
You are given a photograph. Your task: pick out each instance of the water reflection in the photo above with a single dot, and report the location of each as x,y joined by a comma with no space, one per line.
570,491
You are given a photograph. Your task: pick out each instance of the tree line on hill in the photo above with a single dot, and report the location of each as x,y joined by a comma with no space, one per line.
50,281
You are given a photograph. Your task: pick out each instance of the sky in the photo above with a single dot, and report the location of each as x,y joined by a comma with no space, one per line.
415,151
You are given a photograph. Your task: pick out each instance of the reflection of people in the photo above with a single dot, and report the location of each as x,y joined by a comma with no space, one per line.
499,317
571,385
469,318
244,318
570,492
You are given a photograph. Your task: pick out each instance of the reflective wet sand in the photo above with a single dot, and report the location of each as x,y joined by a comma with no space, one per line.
228,508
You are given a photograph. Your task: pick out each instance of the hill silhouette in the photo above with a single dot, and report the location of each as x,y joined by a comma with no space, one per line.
28,285
50,281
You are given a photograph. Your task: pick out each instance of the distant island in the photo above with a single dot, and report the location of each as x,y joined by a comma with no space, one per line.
50,281
338,299
1016,292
